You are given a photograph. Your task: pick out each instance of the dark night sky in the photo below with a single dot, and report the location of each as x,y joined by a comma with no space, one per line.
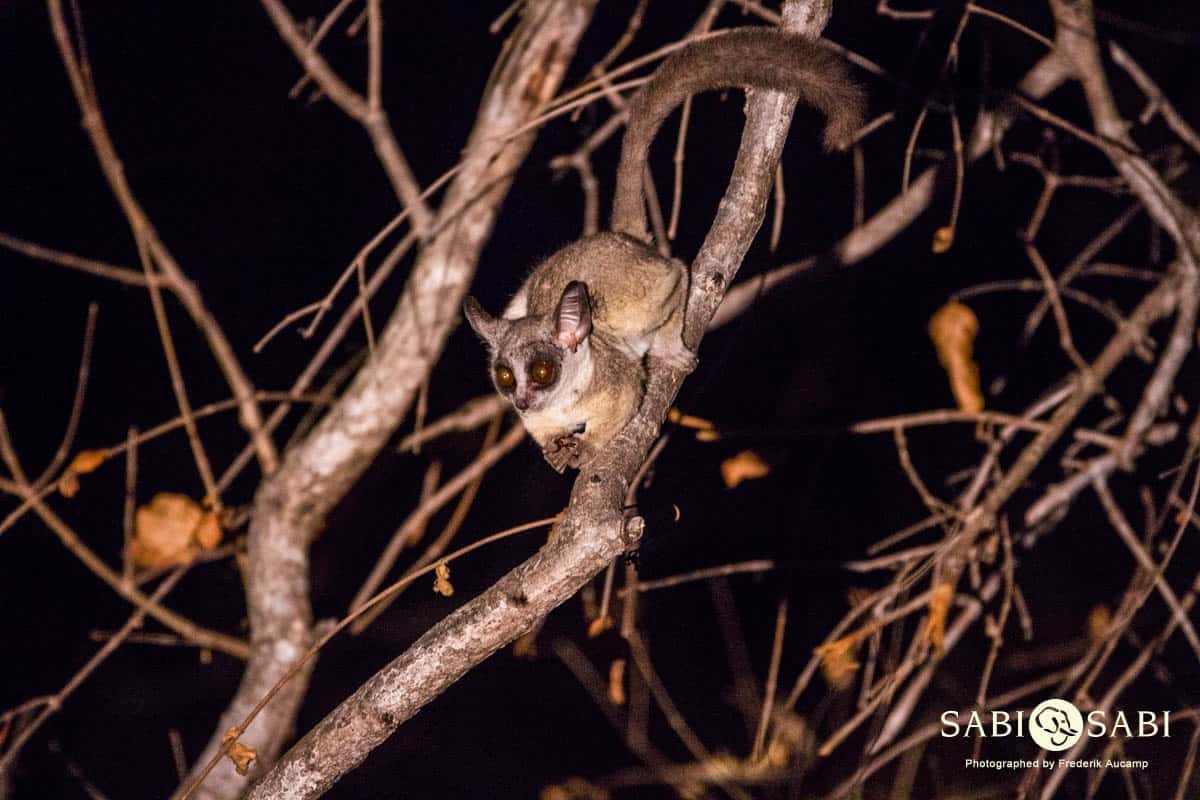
264,199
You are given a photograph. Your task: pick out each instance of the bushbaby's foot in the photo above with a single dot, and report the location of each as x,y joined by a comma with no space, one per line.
562,452
677,355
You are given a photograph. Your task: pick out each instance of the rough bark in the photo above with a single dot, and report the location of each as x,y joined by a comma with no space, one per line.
594,529
291,505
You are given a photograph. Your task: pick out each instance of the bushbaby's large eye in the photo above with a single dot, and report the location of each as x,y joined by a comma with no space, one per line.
505,378
541,373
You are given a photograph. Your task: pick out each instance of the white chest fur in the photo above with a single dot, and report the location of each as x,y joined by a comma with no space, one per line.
563,412
552,422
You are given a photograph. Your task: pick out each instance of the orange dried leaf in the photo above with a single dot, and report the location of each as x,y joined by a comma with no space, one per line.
943,239
598,626
745,466
208,535
616,682
68,484
1099,618
953,329
165,531
86,461
838,663
688,421
441,580
241,755
939,607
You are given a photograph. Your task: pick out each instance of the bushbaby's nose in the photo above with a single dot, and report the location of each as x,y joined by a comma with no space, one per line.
521,401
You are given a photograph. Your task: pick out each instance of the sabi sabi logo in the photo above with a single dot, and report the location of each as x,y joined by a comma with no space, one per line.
1055,724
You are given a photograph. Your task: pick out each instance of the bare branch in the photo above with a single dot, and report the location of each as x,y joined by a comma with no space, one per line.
368,113
901,212
291,505
592,533
90,266
148,242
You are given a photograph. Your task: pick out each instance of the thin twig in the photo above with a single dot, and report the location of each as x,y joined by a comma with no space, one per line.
368,114
148,243
90,266
1153,571
240,728
81,382
768,707
54,703
743,567
487,458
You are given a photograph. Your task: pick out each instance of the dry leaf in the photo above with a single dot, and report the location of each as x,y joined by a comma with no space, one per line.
598,626
745,466
241,755
953,329
838,663
1098,621
616,682
939,607
688,421
86,461
68,484
208,535
441,581
943,239
165,531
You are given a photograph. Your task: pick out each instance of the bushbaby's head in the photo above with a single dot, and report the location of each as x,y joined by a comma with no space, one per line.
538,360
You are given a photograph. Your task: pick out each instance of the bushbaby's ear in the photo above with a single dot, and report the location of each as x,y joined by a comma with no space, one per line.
481,322
573,317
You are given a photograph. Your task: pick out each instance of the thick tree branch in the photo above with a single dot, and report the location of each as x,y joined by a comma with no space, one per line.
593,532
290,507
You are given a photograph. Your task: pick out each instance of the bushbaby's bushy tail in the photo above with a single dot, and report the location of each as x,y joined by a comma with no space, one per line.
757,58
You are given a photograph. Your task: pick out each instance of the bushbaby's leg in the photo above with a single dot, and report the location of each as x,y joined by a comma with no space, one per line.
668,345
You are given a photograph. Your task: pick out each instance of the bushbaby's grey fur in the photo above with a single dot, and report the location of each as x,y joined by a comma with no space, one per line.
589,314
634,306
